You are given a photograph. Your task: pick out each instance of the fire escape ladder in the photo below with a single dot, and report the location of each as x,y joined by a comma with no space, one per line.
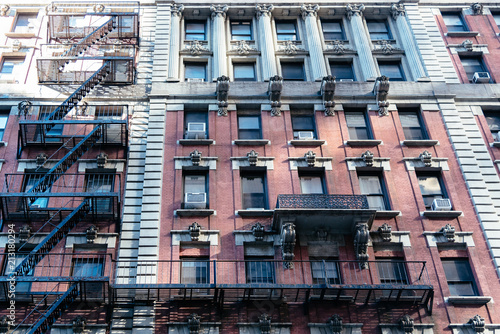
50,241
66,162
92,38
49,314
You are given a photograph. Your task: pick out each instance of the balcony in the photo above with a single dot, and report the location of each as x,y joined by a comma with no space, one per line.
61,198
333,213
236,281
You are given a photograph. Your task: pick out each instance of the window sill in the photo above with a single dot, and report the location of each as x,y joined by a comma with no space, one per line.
20,34
191,142
252,142
441,214
312,142
423,142
255,213
476,300
365,142
194,212
387,214
462,33
496,144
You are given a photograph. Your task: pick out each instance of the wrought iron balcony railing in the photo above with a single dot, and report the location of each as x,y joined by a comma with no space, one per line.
319,201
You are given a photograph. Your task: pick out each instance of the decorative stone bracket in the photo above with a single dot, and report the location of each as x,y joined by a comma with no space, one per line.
265,324
24,233
327,92
385,232
361,238
195,159
79,324
194,323
41,159
406,324
448,232
24,108
275,89
196,48
381,90
477,323
368,158
310,158
101,160
91,234
222,94
253,158
194,231
288,244
258,231
335,324
477,8
426,158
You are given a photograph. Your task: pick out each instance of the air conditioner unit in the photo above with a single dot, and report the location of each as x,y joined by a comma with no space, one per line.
496,136
346,80
305,135
195,201
481,77
195,80
195,131
441,204
35,206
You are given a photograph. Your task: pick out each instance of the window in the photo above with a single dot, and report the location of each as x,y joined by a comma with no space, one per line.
412,125
21,287
195,191
378,29
10,66
244,72
493,119
431,187
113,132
357,125
259,270
392,271
342,70
454,22
303,127
472,64
98,181
50,133
459,277
253,188
195,72
24,22
4,117
31,178
195,125
195,270
391,69
241,31
373,187
333,30
286,31
88,267
325,272
195,30
496,17
292,71
249,127
311,184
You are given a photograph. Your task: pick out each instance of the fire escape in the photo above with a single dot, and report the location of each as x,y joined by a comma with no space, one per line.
90,45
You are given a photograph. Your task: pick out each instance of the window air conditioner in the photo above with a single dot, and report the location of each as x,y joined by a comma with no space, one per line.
346,80
195,80
441,204
481,77
195,200
305,135
195,131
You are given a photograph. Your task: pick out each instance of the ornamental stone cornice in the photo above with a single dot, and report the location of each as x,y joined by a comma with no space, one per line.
176,9
219,11
263,10
309,10
354,10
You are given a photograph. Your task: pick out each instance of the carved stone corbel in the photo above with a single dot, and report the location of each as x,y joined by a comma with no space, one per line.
194,323
288,244
468,45
354,10
385,232
322,234
477,323
41,159
194,231
219,10
24,233
426,158
368,158
327,92
477,8
406,324
24,107
91,234
195,157
275,88
253,158
4,10
222,94
309,10
265,324
98,8
258,231
176,10
361,236
448,232
101,160
79,324
381,90
263,10
310,157
335,323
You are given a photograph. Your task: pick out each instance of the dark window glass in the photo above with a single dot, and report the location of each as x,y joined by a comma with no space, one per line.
392,271
431,188
88,267
303,127
31,178
241,31
100,183
244,72
325,271
260,270
493,119
4,117
496,17
373,187
195,125
249,127
454,22
378,29
392,70
253,191
286,30
196,71
357,126
333,30
22,288
342,70
293,71
412,125
459,276
195,270
471,65
195,31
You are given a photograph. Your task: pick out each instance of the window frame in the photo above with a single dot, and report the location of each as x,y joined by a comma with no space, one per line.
383,188
438,176
25,28
198,117
246,174
343,61
286,21
496,18
253,130
398,276
201,279
342,29
311,116
199,64
261,279
30,178
422,127
369,131
247,63
451,281
324,270
4,120
241,22
491,114
480,61
459,15
202,172
307,173
102,205
298,62
387,29
17,63
187,33
394,62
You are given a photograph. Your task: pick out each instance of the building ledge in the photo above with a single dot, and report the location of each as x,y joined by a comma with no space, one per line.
462,33
192,142
475,300
387,214
252,142
255,213
442,214
495,144
194,212
313,142
425,142
366,142
20,35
